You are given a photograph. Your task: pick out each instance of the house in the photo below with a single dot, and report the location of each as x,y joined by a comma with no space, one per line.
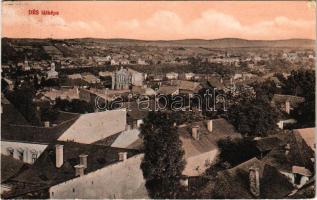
286,102
74,76
121,79
92,79
295,160
92,127
137,78
51,74
200,143
168,90
308,134
249,180
187,87
69,170
63,93
26,143
189,76
143,90
172,75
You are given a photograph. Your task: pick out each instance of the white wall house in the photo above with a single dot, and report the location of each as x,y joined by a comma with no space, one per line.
24,151
122,180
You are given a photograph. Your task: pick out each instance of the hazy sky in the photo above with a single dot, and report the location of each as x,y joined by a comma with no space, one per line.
161,20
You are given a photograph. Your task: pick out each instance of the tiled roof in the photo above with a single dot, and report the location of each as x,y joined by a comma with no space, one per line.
9,167
308,134
136,111
34,133
234,182
300,153
208,140
294,100
45,172
10,115
186,85
167,89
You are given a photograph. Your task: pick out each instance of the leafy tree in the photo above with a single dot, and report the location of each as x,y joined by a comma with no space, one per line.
237,150
163,161
265,90
75,106
305,114
253,117
300,83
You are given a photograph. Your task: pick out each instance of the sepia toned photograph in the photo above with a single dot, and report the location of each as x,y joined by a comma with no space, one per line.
158,99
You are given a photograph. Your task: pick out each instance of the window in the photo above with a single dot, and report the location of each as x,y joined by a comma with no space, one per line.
52,194
73,189
10,151
34,157
20,154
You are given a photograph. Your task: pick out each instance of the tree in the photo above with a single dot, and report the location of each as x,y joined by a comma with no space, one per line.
163,161
265,90
253,117
237,150
300,83
305,114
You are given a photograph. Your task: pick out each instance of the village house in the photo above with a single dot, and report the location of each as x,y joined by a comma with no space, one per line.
187,87
286,103
200,143
171,75
75,167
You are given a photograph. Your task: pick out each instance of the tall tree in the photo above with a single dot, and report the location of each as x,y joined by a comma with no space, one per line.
163,161
301,83
253,117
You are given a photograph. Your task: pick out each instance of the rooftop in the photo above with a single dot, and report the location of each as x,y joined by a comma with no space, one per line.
45,173
208,140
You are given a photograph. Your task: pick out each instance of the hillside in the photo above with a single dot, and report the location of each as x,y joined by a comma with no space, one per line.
214,43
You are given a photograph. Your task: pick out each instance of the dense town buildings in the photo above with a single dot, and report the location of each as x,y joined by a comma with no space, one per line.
78,131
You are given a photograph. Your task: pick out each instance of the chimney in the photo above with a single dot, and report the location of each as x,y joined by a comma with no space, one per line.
287,149
123,156
77,90
287,107
254,179
59,155
209,125
46,124
83,160
79,170
184,182
195,132
139,122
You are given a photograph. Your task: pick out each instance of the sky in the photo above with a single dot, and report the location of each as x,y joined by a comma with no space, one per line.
161,20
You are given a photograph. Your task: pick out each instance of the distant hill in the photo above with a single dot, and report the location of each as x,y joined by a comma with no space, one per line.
214,43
